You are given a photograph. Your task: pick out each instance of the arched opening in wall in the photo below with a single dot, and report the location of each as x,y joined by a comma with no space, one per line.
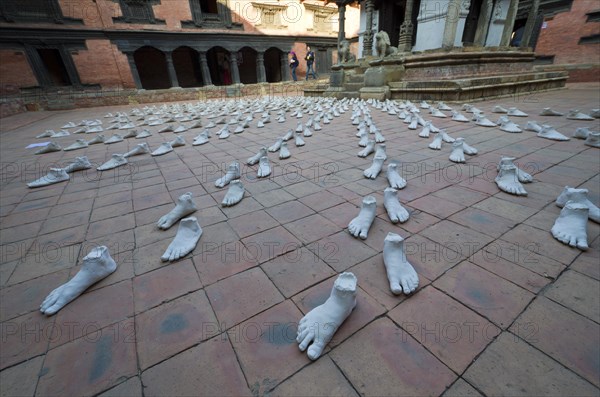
471,21
219,66
187,67
152,68
247,65
273,64
57,72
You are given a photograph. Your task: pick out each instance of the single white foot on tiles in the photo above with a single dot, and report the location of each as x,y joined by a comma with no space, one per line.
79,164
96,140
130,134
284,152
185,240
394,178
96,265
445,137
179,141
370,148
184,207
254,159
264,168
508,181
298,140
499,109
275,147
457,116
359,226
288,135
593,139
308,133
436,144
299,127
380,151
233,172
523,176
50,147
579,196
164,148
378,137
375,168
78,144
457,155
320,324
46,134
426,130
234,195
55,175
395,210
224,133
571,225
550,112
402,276
533,126
575,114
115,161
548,132
364,139
516,112
467,149
201,139
141,148
581,133
114,139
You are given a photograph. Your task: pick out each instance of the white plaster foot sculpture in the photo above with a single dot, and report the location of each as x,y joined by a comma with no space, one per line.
298,140
184,207
380,151
97,265
140,148
79,164
233,172
579,196
50,147
46,134
457,155
395,210
571,225
550,112
78,144
593,139
276,146
264,168
234,195
185,240
516,112
467,149
289,134
97,139
575,114
284,152
224,133
378,137
114,139
370,148
394,178
549,132
402,276
116,160
523,176
359,226
375,168
254,159
320,324
364,139
436,144
581,133
445,137
201,139
508,181
55,175
143,134
164,148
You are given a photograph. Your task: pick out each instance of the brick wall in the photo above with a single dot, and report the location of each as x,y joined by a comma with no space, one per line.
561,36
102,63
15,71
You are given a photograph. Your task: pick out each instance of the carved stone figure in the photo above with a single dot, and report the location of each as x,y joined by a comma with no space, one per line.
384,47
344,54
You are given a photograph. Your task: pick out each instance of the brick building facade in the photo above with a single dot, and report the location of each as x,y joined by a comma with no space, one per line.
154,44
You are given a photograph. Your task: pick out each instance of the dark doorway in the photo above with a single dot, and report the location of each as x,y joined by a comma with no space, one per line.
187,67
152,68
209,6
273,64
391,16
468,37
53,62
219,66
247,66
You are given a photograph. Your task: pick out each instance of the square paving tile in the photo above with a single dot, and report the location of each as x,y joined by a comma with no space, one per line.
511,367
269,244
289,211
382,344
247,225
451,331
577,292
241,296
11,379
341,250
495,298
312,228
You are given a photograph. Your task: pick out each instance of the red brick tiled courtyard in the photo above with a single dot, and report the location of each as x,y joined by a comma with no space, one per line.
502,307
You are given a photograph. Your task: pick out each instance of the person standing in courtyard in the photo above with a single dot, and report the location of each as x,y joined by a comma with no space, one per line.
310,62
294,62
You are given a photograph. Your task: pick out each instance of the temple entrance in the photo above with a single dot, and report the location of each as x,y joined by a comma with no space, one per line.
468,37
187,67
247,66
55,67
273,64
391,16
219,66
152,68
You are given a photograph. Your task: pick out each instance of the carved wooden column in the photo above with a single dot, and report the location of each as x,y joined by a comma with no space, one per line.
285,74
529,25
509,23
134,71
483,23
452,18
204,70
406,29
261,74
235,73
65,55
37,65
171,68
341,21
368,35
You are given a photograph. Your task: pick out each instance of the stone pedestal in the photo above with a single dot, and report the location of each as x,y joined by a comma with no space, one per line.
379,93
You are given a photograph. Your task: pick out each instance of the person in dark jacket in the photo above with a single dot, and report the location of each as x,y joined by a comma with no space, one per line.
294,62
310,61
